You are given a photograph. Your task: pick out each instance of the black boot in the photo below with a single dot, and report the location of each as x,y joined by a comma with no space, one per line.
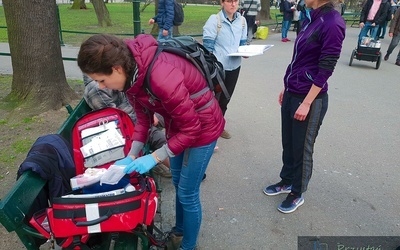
386,57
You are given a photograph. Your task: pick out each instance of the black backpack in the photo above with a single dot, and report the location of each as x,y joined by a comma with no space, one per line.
178,14
301,6
196,53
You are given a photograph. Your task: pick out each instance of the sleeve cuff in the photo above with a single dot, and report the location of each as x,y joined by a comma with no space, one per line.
136,148
164,152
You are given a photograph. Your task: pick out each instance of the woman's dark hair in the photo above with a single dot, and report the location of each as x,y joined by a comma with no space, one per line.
99,53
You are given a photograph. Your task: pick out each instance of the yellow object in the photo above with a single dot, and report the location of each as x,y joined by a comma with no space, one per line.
262,32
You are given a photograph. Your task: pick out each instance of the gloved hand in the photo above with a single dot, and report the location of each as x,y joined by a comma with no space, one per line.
125,161
141,165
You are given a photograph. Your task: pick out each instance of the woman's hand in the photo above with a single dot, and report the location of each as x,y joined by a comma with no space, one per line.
280,98
141,165
302,111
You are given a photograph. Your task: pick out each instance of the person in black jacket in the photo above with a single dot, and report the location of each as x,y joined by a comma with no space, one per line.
372,14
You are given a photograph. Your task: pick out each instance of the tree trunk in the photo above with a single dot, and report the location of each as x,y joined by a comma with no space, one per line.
79,5
265,12
103,16
39,81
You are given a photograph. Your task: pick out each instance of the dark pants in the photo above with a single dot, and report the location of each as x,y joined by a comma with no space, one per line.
250,20
393,43
298,138
231,78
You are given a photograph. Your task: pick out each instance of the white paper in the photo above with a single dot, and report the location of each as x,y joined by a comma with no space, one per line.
96,195
251,50
103,142
95,130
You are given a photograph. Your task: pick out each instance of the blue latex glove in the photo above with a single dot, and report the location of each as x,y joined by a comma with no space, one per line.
126,161
141,165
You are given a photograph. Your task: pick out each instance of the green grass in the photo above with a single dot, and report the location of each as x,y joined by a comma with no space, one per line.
122,19
19,147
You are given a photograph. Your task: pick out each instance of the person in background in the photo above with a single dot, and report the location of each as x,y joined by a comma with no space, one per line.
394,33
288,10
300,6
188,106
223,33
382,27
164,19
340,6
98,98
304,98
372,14
250,10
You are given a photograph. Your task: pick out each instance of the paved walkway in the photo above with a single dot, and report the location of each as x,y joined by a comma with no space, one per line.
354,188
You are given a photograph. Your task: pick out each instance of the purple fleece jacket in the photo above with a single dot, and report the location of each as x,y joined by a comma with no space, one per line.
316,51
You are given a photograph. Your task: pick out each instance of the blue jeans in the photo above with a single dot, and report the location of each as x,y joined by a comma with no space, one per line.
285,28
298,138
187,171
381,30
160,35
368,27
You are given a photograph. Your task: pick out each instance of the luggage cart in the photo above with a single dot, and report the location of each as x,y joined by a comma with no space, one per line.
364,53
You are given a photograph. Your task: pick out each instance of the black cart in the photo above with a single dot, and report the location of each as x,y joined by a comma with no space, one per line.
363,53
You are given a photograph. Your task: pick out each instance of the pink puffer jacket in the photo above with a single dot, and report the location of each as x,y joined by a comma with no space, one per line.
190,121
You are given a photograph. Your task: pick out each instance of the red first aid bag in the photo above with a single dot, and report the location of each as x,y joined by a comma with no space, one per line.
71,215
79,215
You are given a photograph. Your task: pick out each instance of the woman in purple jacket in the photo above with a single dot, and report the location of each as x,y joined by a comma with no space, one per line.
192,116
304,98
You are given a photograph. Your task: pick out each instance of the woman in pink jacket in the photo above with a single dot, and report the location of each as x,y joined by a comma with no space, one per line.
193,119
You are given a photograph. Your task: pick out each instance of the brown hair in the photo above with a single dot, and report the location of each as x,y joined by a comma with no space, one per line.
99,53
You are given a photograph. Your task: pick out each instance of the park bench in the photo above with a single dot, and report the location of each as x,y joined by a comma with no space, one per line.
351,18
278,23
17,202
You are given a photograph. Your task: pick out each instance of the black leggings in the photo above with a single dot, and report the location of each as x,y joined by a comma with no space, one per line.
231,78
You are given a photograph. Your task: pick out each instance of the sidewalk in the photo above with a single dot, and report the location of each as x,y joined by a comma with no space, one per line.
72,70
354,187
353,190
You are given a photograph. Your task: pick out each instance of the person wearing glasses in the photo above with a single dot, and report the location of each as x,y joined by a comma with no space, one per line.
223,33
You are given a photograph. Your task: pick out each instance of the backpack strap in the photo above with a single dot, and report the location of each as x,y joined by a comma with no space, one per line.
146,83
219,25
198,54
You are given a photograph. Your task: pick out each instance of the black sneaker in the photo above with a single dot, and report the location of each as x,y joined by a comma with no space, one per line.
386,57
278,188
291,203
